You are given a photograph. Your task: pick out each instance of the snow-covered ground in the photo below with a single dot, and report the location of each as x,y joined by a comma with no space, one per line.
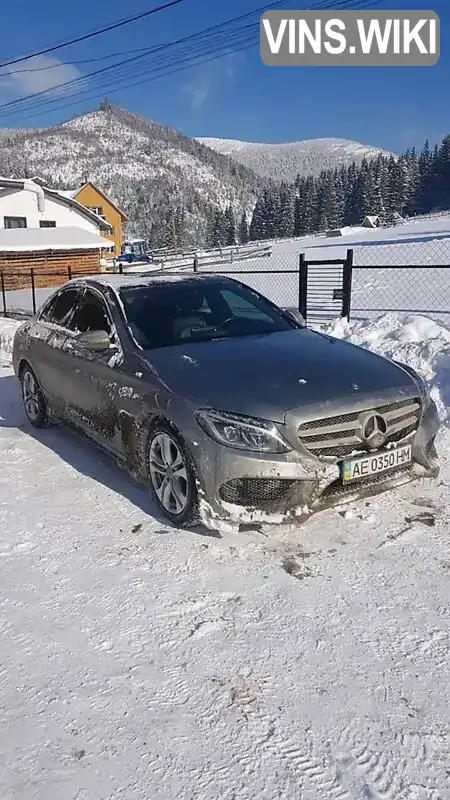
7,331
140,662
424,244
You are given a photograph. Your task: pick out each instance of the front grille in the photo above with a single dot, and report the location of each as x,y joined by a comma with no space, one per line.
261,493
338,436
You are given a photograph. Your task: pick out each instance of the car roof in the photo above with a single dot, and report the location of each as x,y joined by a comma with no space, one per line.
143,279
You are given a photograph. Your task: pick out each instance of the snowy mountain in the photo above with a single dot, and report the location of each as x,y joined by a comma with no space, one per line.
286,161
169,185
10,132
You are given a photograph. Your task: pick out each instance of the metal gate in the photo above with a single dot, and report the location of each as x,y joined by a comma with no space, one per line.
325,288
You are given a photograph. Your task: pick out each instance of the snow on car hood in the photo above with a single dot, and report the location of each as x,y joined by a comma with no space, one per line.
267,376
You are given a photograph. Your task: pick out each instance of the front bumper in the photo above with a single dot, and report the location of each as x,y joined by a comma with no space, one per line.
298,480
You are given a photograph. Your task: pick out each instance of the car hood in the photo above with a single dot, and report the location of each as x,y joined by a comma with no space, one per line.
268,376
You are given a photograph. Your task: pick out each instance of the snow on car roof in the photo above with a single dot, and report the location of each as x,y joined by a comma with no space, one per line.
146,279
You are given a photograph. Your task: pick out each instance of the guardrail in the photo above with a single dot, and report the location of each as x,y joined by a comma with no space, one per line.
196,260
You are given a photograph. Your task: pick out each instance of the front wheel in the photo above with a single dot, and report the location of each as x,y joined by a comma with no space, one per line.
172,475
34,401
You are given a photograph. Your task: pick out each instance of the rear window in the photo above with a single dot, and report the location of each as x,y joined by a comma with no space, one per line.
167,314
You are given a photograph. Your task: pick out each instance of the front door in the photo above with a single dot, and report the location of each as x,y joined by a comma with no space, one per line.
47,338
91,388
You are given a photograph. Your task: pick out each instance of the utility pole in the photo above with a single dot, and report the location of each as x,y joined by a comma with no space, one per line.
174,231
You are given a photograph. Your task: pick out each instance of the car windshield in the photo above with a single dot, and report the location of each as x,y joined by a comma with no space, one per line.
179,312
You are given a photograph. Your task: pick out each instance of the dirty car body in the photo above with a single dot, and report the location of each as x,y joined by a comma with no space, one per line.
205,389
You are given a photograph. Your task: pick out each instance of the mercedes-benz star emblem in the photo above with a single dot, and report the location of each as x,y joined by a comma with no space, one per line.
373,430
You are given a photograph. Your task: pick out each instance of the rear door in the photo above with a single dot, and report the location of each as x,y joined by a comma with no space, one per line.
92,383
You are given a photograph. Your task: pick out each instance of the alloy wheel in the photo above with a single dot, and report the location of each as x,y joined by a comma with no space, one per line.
30,392
169,474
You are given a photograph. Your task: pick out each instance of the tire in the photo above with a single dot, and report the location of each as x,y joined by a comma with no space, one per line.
172,477
34,402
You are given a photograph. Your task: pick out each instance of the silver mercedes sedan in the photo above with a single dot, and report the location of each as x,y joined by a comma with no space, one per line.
207,391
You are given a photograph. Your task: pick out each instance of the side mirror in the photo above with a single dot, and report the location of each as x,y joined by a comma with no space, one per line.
296,316
94,340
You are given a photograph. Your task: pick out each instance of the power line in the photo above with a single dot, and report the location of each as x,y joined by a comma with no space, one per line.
74,62
23,100
220,47
96,32
120,78
113,26
212,50
119,69
141,82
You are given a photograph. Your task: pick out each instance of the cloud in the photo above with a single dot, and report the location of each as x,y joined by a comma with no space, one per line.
38,74
198,91
207,79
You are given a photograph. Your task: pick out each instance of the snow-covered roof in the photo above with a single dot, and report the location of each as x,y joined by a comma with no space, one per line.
63,197
17,240
72,193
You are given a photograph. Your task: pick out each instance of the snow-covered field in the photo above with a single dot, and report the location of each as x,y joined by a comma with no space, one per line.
424,244
140,662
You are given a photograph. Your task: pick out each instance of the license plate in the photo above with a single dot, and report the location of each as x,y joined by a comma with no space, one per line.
357,469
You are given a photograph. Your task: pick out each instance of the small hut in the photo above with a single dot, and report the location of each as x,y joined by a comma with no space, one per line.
372,221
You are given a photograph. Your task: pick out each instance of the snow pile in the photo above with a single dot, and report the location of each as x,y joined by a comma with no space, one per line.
352,230
8,328
414,340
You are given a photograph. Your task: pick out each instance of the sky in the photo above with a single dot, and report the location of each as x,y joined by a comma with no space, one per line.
236,96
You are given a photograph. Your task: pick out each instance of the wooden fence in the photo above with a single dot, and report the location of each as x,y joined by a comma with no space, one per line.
22,270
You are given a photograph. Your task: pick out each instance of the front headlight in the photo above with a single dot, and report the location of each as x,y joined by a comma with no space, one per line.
423,385
243,433
425,389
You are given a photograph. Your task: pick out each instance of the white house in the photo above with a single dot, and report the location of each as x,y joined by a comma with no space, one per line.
45,237
29,204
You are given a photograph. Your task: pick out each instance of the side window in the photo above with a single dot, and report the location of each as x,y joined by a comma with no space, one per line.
60,307
91,315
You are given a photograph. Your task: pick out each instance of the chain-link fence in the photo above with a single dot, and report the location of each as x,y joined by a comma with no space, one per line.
276,277
22,292
407,276
410,275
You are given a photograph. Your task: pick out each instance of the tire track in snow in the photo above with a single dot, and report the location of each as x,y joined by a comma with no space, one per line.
265,739
390,775
424,750
382,773
435,645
